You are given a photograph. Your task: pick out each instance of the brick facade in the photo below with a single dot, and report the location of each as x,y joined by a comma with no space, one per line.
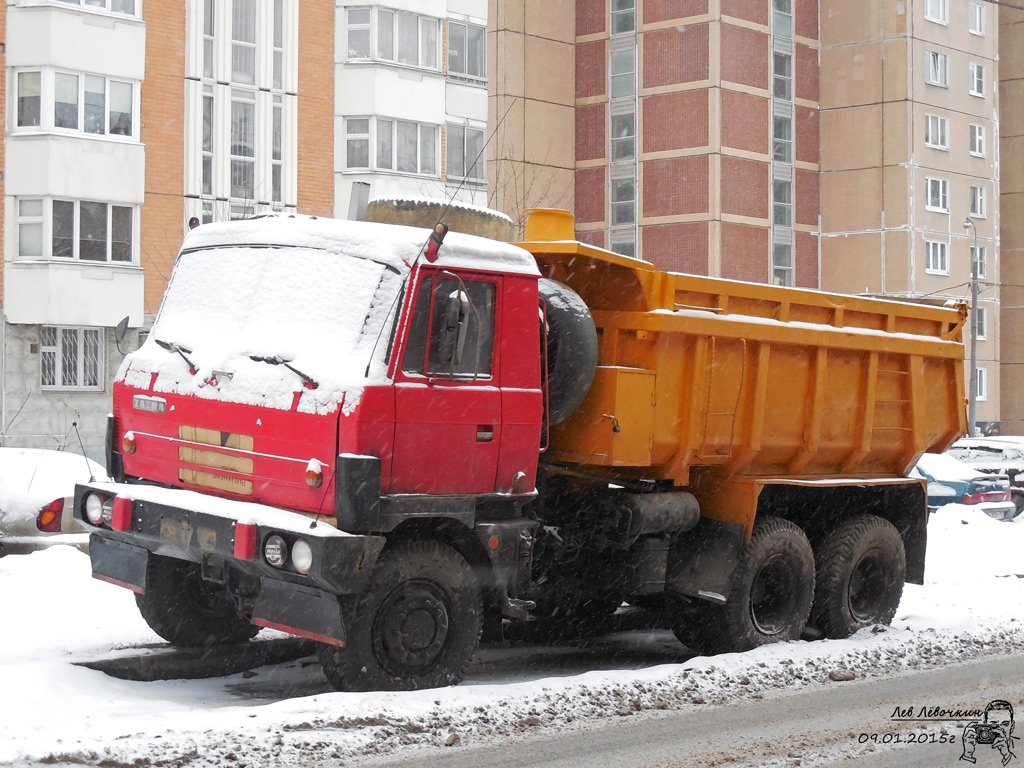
676,120
316,109
655,11
744,187
591,132
744,252
675,186
744,117
675,55
679,247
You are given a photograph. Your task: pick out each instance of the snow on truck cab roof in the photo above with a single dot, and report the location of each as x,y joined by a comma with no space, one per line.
393,245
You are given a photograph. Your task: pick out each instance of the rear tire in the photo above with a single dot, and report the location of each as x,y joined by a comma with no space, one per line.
770,597
861,568
417,625
187,611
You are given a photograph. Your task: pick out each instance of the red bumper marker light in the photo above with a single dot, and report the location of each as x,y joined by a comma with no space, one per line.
245,541
121,519
48,519
128,442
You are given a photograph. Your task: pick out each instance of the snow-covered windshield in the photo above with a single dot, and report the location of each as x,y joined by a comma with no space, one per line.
321,312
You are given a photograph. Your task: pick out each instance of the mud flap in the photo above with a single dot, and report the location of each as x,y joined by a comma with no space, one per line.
703,560
299,610
118,563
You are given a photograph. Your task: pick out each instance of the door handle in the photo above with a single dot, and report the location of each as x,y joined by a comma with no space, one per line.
484,433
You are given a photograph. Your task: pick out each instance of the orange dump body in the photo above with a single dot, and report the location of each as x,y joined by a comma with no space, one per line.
745,381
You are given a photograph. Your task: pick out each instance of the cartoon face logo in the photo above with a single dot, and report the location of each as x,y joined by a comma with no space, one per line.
995,731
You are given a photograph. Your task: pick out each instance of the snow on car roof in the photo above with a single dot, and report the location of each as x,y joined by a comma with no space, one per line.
943,467
30,478
392,244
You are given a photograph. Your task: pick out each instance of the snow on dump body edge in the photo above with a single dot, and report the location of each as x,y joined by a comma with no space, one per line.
395,245
244,512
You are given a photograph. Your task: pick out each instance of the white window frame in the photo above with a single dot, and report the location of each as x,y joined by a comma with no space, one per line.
937,188
976,19
936,257
459,69
25,220
782,145
47,231
977,140
982,259
386,46
783,272
47,120
782,76
936,132
623,17
110,6
622,145
937,11
982,323
936,69
622,71
622,207
61,362
477,162
355,136
977,79
782,203
981,376
782,18
977,202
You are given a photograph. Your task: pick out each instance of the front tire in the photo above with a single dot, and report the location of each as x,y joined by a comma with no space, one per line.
770,597
187,611
416,626
861,568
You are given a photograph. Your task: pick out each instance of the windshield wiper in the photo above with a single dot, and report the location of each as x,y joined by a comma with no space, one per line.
170,346
308,381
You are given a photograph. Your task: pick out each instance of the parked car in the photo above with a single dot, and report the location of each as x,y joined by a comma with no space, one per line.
37,489
998,455
950,481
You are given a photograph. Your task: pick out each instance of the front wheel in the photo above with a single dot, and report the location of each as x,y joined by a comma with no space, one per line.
187,611
417,625
861,569
770,597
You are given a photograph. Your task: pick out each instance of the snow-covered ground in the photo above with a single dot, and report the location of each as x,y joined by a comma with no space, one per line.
54,712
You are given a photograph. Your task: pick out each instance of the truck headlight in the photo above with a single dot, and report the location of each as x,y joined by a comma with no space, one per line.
302,556
275,551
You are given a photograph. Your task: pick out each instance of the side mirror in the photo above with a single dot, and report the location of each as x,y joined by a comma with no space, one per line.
120,330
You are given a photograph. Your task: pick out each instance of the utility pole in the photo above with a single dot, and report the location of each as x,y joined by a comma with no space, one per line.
972,403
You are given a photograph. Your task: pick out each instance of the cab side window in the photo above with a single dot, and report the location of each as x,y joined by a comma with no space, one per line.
452,330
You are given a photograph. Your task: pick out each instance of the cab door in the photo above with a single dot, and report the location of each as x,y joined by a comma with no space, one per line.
447,396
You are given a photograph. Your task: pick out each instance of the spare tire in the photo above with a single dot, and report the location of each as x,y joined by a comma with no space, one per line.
571,349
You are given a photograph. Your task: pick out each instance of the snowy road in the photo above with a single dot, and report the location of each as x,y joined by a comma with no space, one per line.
55,712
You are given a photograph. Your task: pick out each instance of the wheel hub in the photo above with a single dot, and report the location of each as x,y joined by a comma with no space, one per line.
412,627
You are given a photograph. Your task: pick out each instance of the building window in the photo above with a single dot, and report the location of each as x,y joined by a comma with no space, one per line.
401,38
938,195
982,259
75,229
981,376
782,139
623,202
978,140
399,145
938,68
466,51
936,257
623,136
982,323
937,10
978,202
357,142
70,358
782,84
782,264
976,18
243,144
936,132
623,16
465,153
977,79
623,72
782,202
127,7
623,241
86,103
782,18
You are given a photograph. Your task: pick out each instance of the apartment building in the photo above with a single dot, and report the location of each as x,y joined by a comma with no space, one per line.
410,102
124,120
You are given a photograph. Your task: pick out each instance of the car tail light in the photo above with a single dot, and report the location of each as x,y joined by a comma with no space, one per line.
48,519
128,442
978,498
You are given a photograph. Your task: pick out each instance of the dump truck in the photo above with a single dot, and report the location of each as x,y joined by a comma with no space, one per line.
396,441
